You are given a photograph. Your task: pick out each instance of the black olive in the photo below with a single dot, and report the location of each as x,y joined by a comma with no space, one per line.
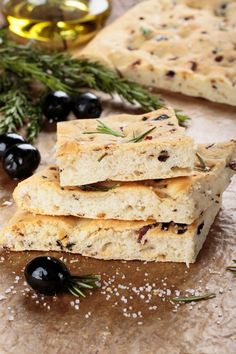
87,105
49,276
46,275
8,140
21,160
56,106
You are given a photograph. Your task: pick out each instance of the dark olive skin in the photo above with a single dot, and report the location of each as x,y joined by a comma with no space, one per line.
21,160
56,106
47,275
8,140
87,105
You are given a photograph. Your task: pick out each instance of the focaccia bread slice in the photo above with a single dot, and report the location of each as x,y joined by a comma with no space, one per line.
185,46
180,199
119,148
109,239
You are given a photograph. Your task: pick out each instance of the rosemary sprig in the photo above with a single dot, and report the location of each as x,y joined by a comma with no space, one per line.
140,137
206,296
203,165
232,268
14,107
146,32
98,188
77,284
102,128
27,66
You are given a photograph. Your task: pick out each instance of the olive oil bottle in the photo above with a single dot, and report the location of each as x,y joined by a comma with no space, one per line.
56,23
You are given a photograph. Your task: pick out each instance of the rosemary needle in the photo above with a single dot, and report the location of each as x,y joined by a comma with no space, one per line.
98,188
140,137
102,128
204,167
232,268
194,298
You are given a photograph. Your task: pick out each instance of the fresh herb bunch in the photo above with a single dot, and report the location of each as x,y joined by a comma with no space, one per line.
22,67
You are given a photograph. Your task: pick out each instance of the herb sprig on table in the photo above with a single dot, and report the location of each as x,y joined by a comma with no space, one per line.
194,298
27,73
232,268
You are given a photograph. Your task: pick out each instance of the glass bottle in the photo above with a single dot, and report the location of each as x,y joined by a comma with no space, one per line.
56,23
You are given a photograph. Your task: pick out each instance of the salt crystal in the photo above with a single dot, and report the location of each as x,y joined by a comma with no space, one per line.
123,299
149,288
7,203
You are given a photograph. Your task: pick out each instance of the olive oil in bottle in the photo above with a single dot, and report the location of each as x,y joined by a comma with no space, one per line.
56,23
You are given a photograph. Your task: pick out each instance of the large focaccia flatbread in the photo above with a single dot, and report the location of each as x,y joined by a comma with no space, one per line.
109,239
185,46
180,199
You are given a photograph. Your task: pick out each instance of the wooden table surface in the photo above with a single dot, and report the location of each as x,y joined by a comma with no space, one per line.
131,313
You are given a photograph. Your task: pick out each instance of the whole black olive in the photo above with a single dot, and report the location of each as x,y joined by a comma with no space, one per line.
49,276
46,275
21,160
56,106
8,140
87,105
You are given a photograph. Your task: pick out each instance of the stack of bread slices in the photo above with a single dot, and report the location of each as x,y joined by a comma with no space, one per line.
125,187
